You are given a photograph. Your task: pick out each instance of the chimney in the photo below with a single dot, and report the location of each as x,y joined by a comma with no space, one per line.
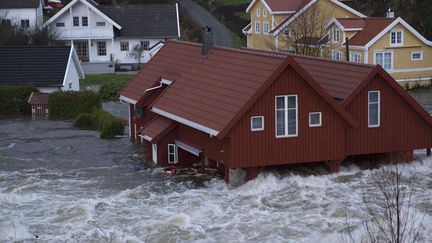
207,39
390,14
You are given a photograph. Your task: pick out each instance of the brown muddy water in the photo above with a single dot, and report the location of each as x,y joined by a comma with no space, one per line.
58,184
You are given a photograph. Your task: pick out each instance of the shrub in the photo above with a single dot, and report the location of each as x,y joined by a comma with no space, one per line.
110,90
14,99
68,105
108,125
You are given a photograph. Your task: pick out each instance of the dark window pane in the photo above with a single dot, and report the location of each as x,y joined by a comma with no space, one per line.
280,102
292,102
315,118
257,123
373,114
373,97
84,21
280,123
76,21
292,122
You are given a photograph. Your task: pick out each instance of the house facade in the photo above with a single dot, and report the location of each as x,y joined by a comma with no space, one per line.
27,14
243,110
390,42
49,69
276,24
108,35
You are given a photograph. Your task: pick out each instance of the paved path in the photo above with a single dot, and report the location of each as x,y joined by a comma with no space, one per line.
221,34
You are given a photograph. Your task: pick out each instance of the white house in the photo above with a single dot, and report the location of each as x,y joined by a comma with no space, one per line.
49,69
105,36
27,14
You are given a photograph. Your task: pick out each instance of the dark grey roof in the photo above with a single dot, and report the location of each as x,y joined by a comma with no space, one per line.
41,66
19,4
144,21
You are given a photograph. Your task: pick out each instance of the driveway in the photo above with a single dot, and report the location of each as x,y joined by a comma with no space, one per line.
221,34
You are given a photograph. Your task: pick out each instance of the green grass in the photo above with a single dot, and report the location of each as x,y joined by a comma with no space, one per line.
243,15
233,2
100,79
237,40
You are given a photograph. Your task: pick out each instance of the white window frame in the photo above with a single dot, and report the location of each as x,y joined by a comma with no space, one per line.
383,53
100,23
258,12
73,21
262,123
25,23
401,39
286,134
175,154
417,52
124,44
154,152
145,45
357,59
86,21
266,27
310,119
264,11
60,24
257,27
336,55
335,37
379,109
101,47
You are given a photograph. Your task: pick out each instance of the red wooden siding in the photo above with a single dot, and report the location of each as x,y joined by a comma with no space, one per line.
312,144
401,128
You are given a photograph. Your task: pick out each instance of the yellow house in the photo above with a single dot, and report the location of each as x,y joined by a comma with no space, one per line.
390,42
279,24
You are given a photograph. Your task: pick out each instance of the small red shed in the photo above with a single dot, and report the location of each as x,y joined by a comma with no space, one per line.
248,109
39,104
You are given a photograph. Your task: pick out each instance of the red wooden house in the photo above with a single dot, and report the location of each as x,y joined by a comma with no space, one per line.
247,109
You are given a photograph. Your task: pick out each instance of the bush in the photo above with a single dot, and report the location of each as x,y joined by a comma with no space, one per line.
14,99
111,90
108,125
68,105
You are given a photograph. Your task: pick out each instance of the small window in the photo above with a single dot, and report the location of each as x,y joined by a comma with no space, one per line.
75,21
84,21
286,116
264,12
60,24
335,35
257,27
265,27
355,57
172,154
417,56
124,46
258,12
145,45
315,119
287,32
101,47
385,59
25,23
257,123
396,37
336,55
70,86
6,22
373,109
100,23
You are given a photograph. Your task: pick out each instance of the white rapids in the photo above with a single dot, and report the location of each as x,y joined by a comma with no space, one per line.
68,206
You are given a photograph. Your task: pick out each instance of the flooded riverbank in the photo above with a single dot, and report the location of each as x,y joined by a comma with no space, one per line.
58,184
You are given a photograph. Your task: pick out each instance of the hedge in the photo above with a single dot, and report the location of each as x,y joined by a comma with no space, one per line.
109,91
108,125
68,105
14,99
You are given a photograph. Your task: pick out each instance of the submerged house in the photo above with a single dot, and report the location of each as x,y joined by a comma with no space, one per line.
242,110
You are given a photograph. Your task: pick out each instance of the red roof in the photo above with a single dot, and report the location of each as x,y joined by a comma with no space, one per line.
286,5
172,61
371,27
157,128
37,98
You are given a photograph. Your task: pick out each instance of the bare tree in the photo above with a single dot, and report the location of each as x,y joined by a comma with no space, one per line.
388,207
137,52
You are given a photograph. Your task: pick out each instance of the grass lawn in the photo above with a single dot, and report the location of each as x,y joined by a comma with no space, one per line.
233,2
100,79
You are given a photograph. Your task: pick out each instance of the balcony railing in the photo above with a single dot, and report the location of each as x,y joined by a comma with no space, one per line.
85,33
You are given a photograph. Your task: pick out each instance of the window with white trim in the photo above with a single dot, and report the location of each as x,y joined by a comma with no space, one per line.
355,57
335,35
101,48
100,24
264,12
84,21
315,119
396,37
145,45
258,12
124,46
76,21
336,55
172,154
416,56
257,123
374,108
286,116
287,32
60,24
265,27
25,23
385,59
257,27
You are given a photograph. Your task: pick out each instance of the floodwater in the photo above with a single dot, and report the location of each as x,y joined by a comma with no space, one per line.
58,184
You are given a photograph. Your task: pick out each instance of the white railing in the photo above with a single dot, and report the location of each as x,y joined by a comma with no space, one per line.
89,33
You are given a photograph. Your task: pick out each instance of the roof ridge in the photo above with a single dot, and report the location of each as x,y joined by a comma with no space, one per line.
187,43
333,61
256,52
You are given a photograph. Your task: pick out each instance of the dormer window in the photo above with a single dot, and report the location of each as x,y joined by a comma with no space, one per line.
396,37
264,12
335,35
